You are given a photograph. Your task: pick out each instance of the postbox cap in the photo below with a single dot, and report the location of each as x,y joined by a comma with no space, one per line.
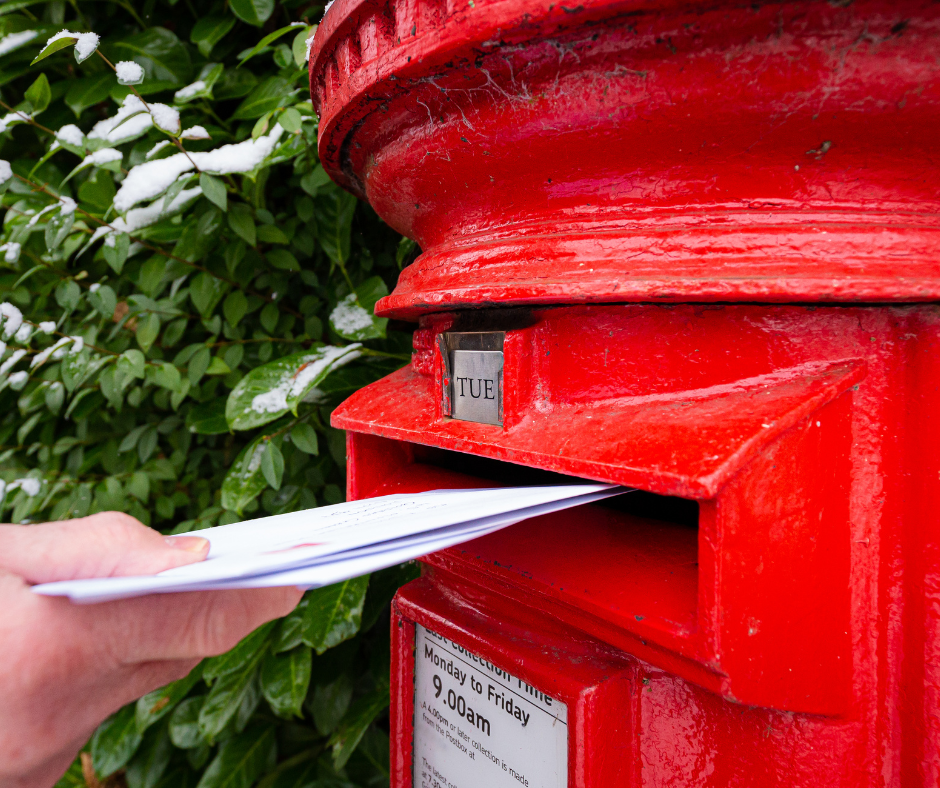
605,151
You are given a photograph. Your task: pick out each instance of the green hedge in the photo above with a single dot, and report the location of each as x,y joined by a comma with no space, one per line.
176,335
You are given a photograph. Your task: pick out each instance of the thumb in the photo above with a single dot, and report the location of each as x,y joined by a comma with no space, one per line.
109,544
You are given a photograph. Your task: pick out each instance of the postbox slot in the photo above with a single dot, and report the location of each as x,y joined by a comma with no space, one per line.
639,503
631,561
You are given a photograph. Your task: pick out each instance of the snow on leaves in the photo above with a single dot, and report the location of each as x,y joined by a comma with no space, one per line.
268,392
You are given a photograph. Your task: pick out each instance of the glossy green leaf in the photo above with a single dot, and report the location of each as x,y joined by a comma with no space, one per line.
299,45
56,46
270,391
330,703
283,260
150,762
198,364
360,716
67,294
184,723
269,234
115,250
244,481
214,189
57,228
314,180
242,759
289,629
290,120
165,375
334,223
115,741
235,307
254,12
234,83
304,437
272,465
334,613
229,694
39,94
148,328
104,300
264,42
209,31
208,418
242,224
285,678
244,653
269,95
206,291
86,92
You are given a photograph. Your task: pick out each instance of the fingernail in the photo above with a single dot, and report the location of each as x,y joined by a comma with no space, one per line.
191,544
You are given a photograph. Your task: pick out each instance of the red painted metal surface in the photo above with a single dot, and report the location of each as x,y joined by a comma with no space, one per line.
793,633
545,152
583,163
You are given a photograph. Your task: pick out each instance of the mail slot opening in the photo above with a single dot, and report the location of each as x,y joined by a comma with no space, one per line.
631,560
639,503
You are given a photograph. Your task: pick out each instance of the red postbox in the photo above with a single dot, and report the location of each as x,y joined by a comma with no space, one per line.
690,248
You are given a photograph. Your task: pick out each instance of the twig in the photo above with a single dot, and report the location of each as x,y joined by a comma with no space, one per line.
27,118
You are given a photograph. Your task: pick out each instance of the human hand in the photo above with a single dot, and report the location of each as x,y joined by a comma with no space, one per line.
66,667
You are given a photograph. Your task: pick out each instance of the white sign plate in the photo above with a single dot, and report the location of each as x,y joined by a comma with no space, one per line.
477,726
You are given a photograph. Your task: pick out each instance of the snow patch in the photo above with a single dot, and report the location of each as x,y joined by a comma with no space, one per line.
11,361
195,133
103,156
129,73
238,157
48,326
68,205
35,218
11,252
58,350
71,135
85,43
143,217
310,44
24,333
16,40
10,318
29,486
150,179
190,90
119,129
6,171
293,385
18,378
156,149
13,117
348,317
165,118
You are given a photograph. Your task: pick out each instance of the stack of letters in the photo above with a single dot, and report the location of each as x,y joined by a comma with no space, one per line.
318,547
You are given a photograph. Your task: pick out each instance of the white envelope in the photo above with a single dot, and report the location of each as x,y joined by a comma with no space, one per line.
329,544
